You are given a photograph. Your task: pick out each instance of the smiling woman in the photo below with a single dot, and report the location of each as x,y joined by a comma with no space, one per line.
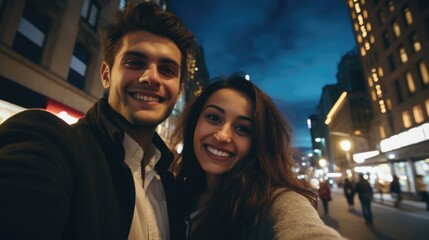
235,170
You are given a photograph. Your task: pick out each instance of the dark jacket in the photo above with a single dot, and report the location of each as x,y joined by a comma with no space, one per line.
71,182
364,190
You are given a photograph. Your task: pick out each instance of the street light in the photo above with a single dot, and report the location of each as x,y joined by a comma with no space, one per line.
322,162
346,146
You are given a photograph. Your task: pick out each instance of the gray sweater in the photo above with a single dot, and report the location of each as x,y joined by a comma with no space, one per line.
293,217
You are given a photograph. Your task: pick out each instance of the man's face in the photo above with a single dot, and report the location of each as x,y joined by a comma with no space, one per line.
144,82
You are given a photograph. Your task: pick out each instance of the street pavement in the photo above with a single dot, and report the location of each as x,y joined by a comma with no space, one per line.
409,221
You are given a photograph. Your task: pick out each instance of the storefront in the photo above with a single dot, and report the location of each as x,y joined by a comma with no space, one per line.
15,98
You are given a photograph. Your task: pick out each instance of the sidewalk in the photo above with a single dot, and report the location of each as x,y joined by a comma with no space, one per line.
387,200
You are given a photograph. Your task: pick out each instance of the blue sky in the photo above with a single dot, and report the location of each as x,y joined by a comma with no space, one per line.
290,48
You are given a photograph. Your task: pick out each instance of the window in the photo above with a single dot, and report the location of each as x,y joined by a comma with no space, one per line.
399,91
407,15
90,12
415,42
382,132
78,66
418,114
381,17
386,40
410,83
403,55
424,74
406,119
396,29
427,106
122,4
392,64
30,36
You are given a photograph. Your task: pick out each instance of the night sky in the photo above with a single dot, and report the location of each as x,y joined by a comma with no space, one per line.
290,48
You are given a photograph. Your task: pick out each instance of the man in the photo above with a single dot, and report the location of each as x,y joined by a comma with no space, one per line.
107,176
365,193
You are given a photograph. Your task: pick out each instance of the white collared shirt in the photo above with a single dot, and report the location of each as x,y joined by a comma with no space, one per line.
150,219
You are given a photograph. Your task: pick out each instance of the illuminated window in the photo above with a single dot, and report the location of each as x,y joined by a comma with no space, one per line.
373,95
410,83
418,114
359,38
389,104
362,51
382,132
403,55
424,74
408,17
396,29
368,26
78,66
90,12
415,42
370,83
356,26
372,39
427,106
406,119
31,34
380,71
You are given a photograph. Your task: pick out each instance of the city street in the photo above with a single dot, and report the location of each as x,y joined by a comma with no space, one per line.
410,221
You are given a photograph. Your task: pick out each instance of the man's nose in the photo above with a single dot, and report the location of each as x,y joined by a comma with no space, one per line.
150,76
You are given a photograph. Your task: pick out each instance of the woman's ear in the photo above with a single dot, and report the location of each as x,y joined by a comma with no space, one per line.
105,75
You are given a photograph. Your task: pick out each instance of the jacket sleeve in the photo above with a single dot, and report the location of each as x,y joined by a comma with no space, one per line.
36,181
293,217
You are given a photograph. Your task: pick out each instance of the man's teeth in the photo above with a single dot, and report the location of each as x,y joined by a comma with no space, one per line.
146,98
218,152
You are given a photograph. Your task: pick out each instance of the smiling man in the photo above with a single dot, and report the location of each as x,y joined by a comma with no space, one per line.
106,177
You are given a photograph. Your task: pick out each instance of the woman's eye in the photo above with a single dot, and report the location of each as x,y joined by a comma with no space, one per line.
243,130
212,118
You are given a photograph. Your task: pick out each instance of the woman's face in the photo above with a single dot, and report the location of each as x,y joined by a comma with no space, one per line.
223,131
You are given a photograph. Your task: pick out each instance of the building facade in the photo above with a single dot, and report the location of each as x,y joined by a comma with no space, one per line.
393,42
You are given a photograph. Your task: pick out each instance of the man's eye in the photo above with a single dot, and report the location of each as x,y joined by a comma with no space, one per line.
168,71
134,63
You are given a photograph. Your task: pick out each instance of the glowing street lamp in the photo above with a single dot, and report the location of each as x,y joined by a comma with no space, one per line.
346,146
322,162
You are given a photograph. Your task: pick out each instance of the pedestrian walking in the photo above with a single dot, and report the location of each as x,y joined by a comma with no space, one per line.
395,191
349,193
422,190
364,191
381,188
324,192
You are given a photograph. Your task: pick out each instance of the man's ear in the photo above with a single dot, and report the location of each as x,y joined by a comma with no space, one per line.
105,75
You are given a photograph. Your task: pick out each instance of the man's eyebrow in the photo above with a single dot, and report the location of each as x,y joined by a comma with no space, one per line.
142,55
242,117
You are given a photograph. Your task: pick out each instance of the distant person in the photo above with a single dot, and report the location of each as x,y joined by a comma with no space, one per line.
381,188
235,169
107,176
364,191
422,190
349,193
395,191
324,192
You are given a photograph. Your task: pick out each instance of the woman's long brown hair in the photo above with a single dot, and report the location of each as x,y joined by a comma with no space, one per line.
243,195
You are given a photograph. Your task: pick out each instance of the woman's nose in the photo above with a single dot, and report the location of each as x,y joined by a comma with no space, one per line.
223,135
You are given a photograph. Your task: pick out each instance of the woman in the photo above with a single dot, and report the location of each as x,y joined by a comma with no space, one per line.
324,192
235,169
